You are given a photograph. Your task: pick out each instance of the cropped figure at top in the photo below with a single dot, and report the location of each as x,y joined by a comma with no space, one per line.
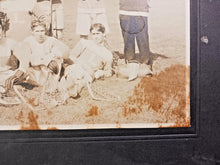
134,25
91,60
8,62
52,10
90,12
39,56
57,18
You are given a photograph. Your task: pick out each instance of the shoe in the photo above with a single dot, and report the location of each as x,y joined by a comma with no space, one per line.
144,70
132,71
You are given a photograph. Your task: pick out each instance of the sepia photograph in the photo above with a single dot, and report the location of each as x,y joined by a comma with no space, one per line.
94,64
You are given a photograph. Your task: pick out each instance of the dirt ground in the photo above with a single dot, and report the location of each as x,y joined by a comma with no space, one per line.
158,101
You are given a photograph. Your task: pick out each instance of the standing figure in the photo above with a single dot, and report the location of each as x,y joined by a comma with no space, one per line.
43,8
90,12
91,60
57,18
40,56
52,12
134,25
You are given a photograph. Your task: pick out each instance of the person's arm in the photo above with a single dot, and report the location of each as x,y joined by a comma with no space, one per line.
59,49
107,70
22,51
59,52
13,79
77,50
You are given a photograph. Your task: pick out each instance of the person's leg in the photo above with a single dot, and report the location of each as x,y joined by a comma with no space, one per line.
143,41
83,25
58,20
126,24
101,18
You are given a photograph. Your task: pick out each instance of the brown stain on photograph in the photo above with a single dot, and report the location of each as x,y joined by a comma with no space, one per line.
49,112
164,93
180,124
93,111
186,124
118,125
32,122
52,128
31,101
20,117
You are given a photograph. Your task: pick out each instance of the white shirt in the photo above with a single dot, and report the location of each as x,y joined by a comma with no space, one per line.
92,57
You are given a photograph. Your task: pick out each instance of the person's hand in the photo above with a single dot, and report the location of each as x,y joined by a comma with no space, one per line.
13,79
53,66
68,61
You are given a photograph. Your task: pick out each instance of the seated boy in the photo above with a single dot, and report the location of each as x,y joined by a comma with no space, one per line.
91,60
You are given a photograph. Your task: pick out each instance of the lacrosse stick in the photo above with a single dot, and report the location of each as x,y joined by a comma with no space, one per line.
7,103
49,96
3,102
91,93
105,98
22,98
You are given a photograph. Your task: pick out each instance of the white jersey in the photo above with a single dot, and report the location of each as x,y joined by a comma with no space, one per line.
43,53
92,57
90,61
6,47
34,57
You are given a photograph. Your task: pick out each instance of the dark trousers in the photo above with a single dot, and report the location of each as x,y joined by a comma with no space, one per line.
135,27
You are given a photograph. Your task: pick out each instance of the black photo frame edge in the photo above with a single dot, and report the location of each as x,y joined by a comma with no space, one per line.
132,134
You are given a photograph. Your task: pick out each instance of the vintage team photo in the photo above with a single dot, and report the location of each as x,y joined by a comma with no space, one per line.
84,64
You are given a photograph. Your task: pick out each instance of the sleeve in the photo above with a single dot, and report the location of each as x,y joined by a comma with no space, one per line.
77,50
59,49
12,44
108,65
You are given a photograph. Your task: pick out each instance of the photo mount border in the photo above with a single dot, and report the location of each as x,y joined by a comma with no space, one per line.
132,133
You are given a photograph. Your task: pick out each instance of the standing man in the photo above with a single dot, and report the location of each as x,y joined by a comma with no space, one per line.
52,11
57,18
133,16
90,12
